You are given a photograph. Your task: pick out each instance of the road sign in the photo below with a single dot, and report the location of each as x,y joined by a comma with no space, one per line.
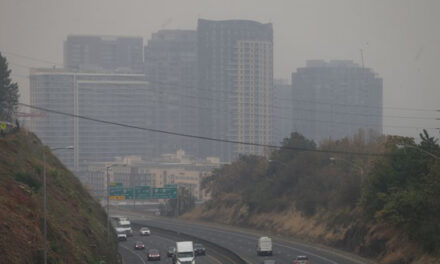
143,192
120,191
164,193
117,197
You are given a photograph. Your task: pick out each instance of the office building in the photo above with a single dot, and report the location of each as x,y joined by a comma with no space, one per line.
336,99
235,60
171,69
119,98
103,53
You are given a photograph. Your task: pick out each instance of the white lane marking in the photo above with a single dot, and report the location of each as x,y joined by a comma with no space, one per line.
143,261
211,257
252,237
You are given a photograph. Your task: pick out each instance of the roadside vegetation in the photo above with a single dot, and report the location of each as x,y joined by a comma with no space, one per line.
378,197
76,223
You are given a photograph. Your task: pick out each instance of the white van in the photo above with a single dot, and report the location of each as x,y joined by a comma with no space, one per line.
264,246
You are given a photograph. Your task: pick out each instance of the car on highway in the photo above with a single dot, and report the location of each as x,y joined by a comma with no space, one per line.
199,249
302,260
153,254
264,246
145,231
139,245
122,237
124,230
171,251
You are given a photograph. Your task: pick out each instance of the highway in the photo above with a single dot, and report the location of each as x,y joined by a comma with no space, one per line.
162,240
244,244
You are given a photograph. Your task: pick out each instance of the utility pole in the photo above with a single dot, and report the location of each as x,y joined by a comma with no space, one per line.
134,197
108,203
45,206
45,199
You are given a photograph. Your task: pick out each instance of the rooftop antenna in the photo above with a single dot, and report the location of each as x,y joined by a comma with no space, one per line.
362,58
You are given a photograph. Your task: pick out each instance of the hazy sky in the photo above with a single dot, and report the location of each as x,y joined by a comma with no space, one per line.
400,38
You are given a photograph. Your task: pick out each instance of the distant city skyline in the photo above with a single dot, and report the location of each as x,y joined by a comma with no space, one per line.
399,39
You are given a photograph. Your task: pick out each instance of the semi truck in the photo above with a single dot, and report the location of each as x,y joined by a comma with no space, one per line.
184,253
264,246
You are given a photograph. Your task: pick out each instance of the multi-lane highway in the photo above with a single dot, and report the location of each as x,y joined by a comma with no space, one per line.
240,241
132,256
244,243
163,239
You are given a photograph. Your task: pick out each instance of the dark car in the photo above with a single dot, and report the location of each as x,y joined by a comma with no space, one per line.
302,260
153,254
199,250
139,245
171,251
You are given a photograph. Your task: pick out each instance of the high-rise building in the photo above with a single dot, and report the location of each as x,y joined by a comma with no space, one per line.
253,85
282,124
120,98
171,69
336,99
103,53
235,60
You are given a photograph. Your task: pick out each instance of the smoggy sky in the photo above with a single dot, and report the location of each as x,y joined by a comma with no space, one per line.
400,39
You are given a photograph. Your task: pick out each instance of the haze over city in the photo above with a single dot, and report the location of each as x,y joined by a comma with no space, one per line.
220,131
399,39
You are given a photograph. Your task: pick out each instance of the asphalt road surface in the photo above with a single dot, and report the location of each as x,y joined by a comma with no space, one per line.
160,242
244,244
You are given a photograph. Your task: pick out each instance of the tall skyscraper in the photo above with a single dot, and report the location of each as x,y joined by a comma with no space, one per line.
171,69
336,99
235,61
120,98
103,53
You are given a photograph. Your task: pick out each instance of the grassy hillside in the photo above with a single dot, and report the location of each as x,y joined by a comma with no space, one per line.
76,223
383,206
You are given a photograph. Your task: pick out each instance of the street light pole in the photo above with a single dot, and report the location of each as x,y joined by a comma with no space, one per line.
44,207
420,149
45,199
108,202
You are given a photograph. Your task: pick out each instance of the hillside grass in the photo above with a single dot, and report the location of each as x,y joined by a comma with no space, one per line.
76,223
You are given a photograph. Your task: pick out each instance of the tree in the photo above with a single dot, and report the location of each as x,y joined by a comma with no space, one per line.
8,92
184,203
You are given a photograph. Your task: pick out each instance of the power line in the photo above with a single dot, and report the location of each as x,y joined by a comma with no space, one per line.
32,58
273,106
201,137
227,92
222,110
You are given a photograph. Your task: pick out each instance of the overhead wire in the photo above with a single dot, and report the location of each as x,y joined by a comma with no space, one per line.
228,92
223,110
202,137
293,108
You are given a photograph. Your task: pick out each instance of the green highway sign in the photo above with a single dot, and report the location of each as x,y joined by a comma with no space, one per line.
120,191
164,193
143,192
